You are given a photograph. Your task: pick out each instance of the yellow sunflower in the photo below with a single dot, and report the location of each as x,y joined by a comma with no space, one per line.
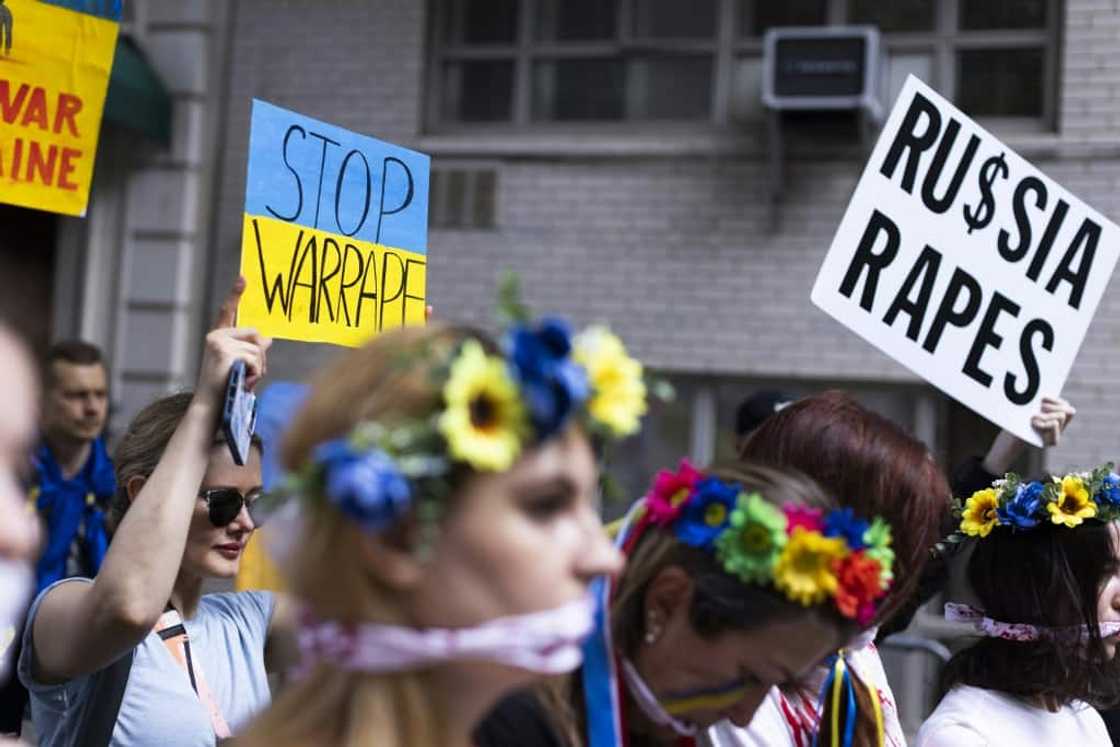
805,571
485,421
980,515
618,394
1072,505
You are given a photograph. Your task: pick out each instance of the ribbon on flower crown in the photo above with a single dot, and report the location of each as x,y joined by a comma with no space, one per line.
839,691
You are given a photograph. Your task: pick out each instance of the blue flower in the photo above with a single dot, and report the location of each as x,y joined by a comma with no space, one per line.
1020,512
364,485
1109,493
551,383
843,523
708,513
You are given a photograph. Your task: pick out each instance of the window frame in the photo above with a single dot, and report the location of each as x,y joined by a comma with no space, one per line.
727,47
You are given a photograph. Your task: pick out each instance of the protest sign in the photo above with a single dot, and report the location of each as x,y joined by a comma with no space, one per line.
55,59
965,263
335,232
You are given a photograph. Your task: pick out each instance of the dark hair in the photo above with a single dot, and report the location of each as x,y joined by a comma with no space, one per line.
143,444
871,465
1049,576
757,408
76,352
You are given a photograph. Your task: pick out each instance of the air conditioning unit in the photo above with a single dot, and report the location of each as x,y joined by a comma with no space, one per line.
827,67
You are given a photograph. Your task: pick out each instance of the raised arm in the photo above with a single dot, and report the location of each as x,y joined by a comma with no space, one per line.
1050,421
80,628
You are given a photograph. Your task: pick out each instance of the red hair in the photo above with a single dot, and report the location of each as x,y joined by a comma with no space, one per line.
869,464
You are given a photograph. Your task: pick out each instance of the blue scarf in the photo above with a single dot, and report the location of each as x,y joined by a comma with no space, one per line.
67,505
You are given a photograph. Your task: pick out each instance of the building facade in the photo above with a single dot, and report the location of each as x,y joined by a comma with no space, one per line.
616,154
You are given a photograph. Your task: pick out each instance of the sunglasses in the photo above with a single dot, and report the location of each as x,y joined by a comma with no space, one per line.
224,504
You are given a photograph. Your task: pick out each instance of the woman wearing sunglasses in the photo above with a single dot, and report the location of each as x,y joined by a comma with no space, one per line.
139,655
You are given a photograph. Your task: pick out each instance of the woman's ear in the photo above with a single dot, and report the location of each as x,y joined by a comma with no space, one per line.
668,596
393,560
133,486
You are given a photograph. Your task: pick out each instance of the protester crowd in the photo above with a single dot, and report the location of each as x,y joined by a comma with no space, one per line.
448,581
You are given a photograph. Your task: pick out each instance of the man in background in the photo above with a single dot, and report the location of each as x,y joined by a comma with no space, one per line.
73,480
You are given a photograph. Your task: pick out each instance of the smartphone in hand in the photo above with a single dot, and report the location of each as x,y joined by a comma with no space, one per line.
239,414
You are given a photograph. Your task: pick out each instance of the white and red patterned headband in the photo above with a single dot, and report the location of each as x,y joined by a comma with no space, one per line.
1022,632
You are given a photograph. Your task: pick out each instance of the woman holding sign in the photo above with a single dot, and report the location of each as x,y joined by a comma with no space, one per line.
444,527
139,655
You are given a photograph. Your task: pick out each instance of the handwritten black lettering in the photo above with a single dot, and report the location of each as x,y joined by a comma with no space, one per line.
299,184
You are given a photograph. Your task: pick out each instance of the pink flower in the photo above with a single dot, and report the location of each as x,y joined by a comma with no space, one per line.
671,492
812,519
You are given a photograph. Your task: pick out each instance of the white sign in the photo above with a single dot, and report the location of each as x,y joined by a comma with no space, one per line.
967,264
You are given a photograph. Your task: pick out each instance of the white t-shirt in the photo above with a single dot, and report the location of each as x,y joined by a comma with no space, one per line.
975,717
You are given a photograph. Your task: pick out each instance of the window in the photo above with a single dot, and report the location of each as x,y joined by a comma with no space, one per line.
531,63
996,59
462,198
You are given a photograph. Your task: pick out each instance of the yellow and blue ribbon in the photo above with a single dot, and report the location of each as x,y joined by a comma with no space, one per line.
840,692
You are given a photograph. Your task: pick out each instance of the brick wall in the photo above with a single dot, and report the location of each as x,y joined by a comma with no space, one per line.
676,252
1090,87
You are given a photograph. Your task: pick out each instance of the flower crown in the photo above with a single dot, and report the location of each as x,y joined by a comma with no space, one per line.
808,554
1023,505
494,405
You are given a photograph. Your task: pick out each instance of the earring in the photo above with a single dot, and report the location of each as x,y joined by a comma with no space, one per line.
653,629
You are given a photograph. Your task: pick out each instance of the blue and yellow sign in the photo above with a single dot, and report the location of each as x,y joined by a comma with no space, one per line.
55,59
335,235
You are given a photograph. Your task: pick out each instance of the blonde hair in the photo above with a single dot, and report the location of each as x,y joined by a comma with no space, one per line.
388,380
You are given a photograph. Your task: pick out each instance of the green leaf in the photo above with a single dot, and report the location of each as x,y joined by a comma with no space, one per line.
510,308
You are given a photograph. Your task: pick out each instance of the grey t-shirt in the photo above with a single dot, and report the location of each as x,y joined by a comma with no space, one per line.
227,638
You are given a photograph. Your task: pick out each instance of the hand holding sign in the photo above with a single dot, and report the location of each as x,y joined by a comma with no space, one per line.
227,312
965,263
335,236
1052,420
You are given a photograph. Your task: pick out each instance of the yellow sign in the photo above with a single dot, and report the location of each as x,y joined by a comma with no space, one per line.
308,284
54,74
334,239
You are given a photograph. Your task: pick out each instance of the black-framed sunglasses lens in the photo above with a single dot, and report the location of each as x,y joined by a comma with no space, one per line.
224,504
